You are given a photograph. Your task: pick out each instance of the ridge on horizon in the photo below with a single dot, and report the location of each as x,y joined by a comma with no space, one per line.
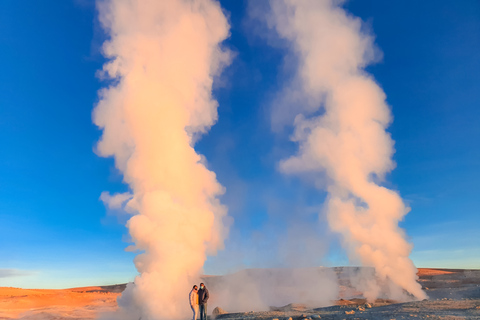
113,286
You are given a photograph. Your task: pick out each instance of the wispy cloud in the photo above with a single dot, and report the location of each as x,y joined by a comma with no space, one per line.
9,273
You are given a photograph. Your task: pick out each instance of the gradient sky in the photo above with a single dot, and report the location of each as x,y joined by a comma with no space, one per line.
55,232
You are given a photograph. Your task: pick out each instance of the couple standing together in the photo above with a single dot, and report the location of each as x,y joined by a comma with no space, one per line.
198,301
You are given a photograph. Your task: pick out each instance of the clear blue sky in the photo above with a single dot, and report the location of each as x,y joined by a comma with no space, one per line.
54,231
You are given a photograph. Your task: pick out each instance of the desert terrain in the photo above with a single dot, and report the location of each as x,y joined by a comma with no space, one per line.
75,303
453,294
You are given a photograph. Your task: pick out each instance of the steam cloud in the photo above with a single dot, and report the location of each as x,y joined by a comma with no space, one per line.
163,56
347,141
259,289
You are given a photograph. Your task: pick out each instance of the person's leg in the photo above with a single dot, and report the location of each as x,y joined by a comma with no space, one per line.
204,311
195,312
202,314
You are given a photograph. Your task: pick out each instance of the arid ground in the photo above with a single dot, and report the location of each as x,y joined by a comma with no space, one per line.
46,304
453,294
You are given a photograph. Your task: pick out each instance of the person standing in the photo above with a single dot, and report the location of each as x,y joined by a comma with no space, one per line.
202,301
193,298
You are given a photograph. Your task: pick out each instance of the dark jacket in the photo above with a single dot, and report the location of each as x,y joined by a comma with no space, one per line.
203,295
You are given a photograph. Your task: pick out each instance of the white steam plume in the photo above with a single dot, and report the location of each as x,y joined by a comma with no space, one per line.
259,289
348,141
163,56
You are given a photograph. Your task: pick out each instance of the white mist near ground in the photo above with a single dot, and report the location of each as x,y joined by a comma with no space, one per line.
259,289
163,57
340,128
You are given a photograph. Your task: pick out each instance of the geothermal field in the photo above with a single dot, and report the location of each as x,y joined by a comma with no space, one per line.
169,139
453,294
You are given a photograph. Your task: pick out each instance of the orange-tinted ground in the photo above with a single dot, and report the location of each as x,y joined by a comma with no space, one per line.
76,303
448,290
422,272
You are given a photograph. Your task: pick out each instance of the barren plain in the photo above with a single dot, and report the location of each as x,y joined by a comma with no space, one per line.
453,294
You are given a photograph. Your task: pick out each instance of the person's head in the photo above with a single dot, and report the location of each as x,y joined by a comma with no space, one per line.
195,288
202,285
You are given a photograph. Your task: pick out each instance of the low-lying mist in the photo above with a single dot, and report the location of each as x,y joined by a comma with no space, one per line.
259,289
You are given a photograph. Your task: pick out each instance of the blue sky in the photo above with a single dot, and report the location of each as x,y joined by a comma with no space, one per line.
54,231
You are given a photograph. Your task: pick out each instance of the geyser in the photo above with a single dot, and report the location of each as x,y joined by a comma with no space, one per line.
347,142
162,58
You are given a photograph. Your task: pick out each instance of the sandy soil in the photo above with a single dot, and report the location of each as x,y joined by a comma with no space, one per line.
75,303
453,294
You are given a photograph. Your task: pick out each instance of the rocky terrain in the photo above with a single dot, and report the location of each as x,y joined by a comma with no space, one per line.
453,294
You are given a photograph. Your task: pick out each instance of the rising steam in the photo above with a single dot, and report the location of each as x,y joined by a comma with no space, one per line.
348,142
163,56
